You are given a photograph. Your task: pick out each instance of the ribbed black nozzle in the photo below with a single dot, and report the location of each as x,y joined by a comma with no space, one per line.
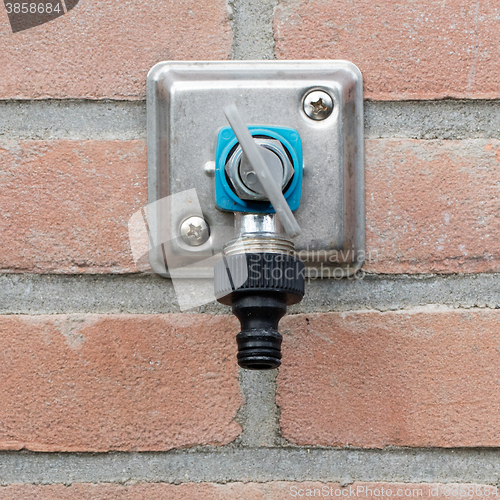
259,342
259,287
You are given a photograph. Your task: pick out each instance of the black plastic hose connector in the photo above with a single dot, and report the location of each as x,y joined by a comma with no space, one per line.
259,287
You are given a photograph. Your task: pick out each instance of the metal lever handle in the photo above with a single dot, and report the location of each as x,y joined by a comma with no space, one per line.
254,156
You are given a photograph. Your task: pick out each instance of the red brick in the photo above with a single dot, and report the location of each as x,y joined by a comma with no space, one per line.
118,382
104,49
405,50
422,378
249,491
432,206
65,205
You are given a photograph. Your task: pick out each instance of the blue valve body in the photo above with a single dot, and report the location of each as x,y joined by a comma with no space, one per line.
226,199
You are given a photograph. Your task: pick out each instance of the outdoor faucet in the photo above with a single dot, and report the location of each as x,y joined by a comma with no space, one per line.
259,275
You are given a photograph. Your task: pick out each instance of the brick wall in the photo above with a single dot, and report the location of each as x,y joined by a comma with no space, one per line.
390,383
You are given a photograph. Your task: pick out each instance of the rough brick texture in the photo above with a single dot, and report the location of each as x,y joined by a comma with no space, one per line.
432,206
119,382
104,49
422,378
65,205
405,50
248,491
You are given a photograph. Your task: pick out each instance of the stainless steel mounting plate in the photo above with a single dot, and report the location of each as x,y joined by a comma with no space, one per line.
185,102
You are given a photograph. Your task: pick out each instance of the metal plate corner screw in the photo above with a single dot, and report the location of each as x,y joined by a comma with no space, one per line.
195,231
318,105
